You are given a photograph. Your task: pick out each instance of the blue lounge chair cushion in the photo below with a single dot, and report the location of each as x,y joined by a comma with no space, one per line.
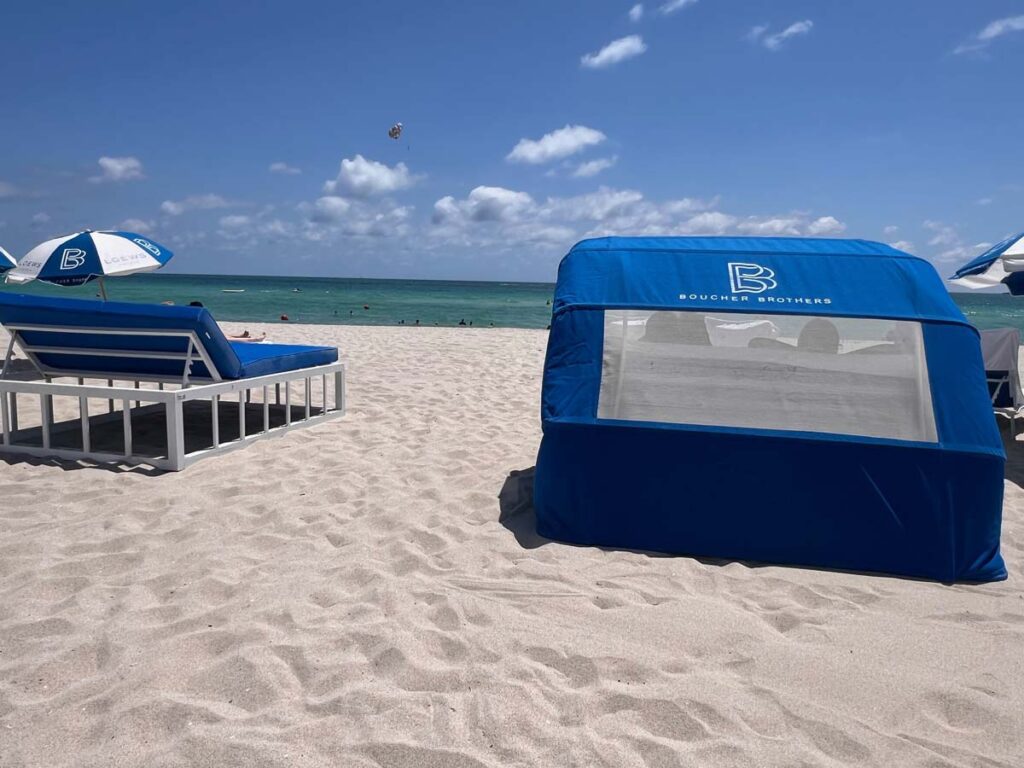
264,359
232,361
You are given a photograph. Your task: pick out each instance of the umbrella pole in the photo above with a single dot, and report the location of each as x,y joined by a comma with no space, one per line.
103,290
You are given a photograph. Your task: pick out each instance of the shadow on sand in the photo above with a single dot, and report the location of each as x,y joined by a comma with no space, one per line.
69,465
515,502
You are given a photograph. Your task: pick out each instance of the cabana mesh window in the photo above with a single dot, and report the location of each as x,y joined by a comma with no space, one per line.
848,376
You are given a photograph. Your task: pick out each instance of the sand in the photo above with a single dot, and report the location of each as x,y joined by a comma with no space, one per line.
371,592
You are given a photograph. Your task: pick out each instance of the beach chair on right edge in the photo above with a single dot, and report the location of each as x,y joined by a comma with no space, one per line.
999,349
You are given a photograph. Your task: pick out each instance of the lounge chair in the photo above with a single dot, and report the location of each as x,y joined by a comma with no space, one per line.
999,349
180,349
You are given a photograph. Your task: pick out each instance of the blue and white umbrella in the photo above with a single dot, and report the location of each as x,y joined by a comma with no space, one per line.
1002,263
6,261
84,256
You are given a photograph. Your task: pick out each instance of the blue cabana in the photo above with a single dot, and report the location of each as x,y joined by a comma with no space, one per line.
799,401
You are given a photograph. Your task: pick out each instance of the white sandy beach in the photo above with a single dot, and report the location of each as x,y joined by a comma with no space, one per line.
371,592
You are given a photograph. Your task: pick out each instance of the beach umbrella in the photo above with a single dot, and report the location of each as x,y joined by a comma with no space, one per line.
6,261
1002,263
84,256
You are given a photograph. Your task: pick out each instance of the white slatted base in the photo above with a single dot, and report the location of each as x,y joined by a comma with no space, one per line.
175,404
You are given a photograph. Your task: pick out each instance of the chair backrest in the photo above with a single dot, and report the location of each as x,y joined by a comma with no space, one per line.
118,339
999,350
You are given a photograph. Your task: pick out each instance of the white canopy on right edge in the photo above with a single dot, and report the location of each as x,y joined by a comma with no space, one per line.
1002,263
999,349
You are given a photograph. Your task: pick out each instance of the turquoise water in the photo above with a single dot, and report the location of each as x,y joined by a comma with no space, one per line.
333,300
390,302
992,310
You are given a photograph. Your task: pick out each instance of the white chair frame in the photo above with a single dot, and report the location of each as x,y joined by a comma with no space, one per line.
1013,412
172,401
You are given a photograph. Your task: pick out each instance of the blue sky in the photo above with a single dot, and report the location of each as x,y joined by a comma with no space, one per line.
252,138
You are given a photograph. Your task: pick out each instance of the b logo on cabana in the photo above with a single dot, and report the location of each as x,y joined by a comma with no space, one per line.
72,258
746,278
751,278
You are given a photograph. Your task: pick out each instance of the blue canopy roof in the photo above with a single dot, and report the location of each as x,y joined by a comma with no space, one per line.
853,278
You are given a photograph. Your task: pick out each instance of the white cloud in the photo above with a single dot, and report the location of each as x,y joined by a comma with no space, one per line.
330,217
671,6
616,51
238,231
604,205
7,190
234,222
771,227
40,219
756,32
993,30
139,226
386,222
594,167
983,201
359,177
483,204
892,229
329,209
636,12
952,249
958,254
284,169
944,234
193,203
275,228
709,223
499,217
825,225
776,41
555,145
903,245
118,169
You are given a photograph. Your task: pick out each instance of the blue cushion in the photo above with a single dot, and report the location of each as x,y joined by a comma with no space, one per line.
263,359
19,309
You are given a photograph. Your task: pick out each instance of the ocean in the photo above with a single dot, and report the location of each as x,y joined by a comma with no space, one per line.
345,301
356,301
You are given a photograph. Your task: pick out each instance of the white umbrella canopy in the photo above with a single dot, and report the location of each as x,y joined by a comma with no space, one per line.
83,256
1002,263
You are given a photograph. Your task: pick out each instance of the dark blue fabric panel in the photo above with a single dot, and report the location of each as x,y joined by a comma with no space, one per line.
572,367
960,396
264,359
779,275
909,510
999,389
1015,282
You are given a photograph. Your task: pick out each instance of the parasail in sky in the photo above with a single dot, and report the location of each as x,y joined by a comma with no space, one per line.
395,132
